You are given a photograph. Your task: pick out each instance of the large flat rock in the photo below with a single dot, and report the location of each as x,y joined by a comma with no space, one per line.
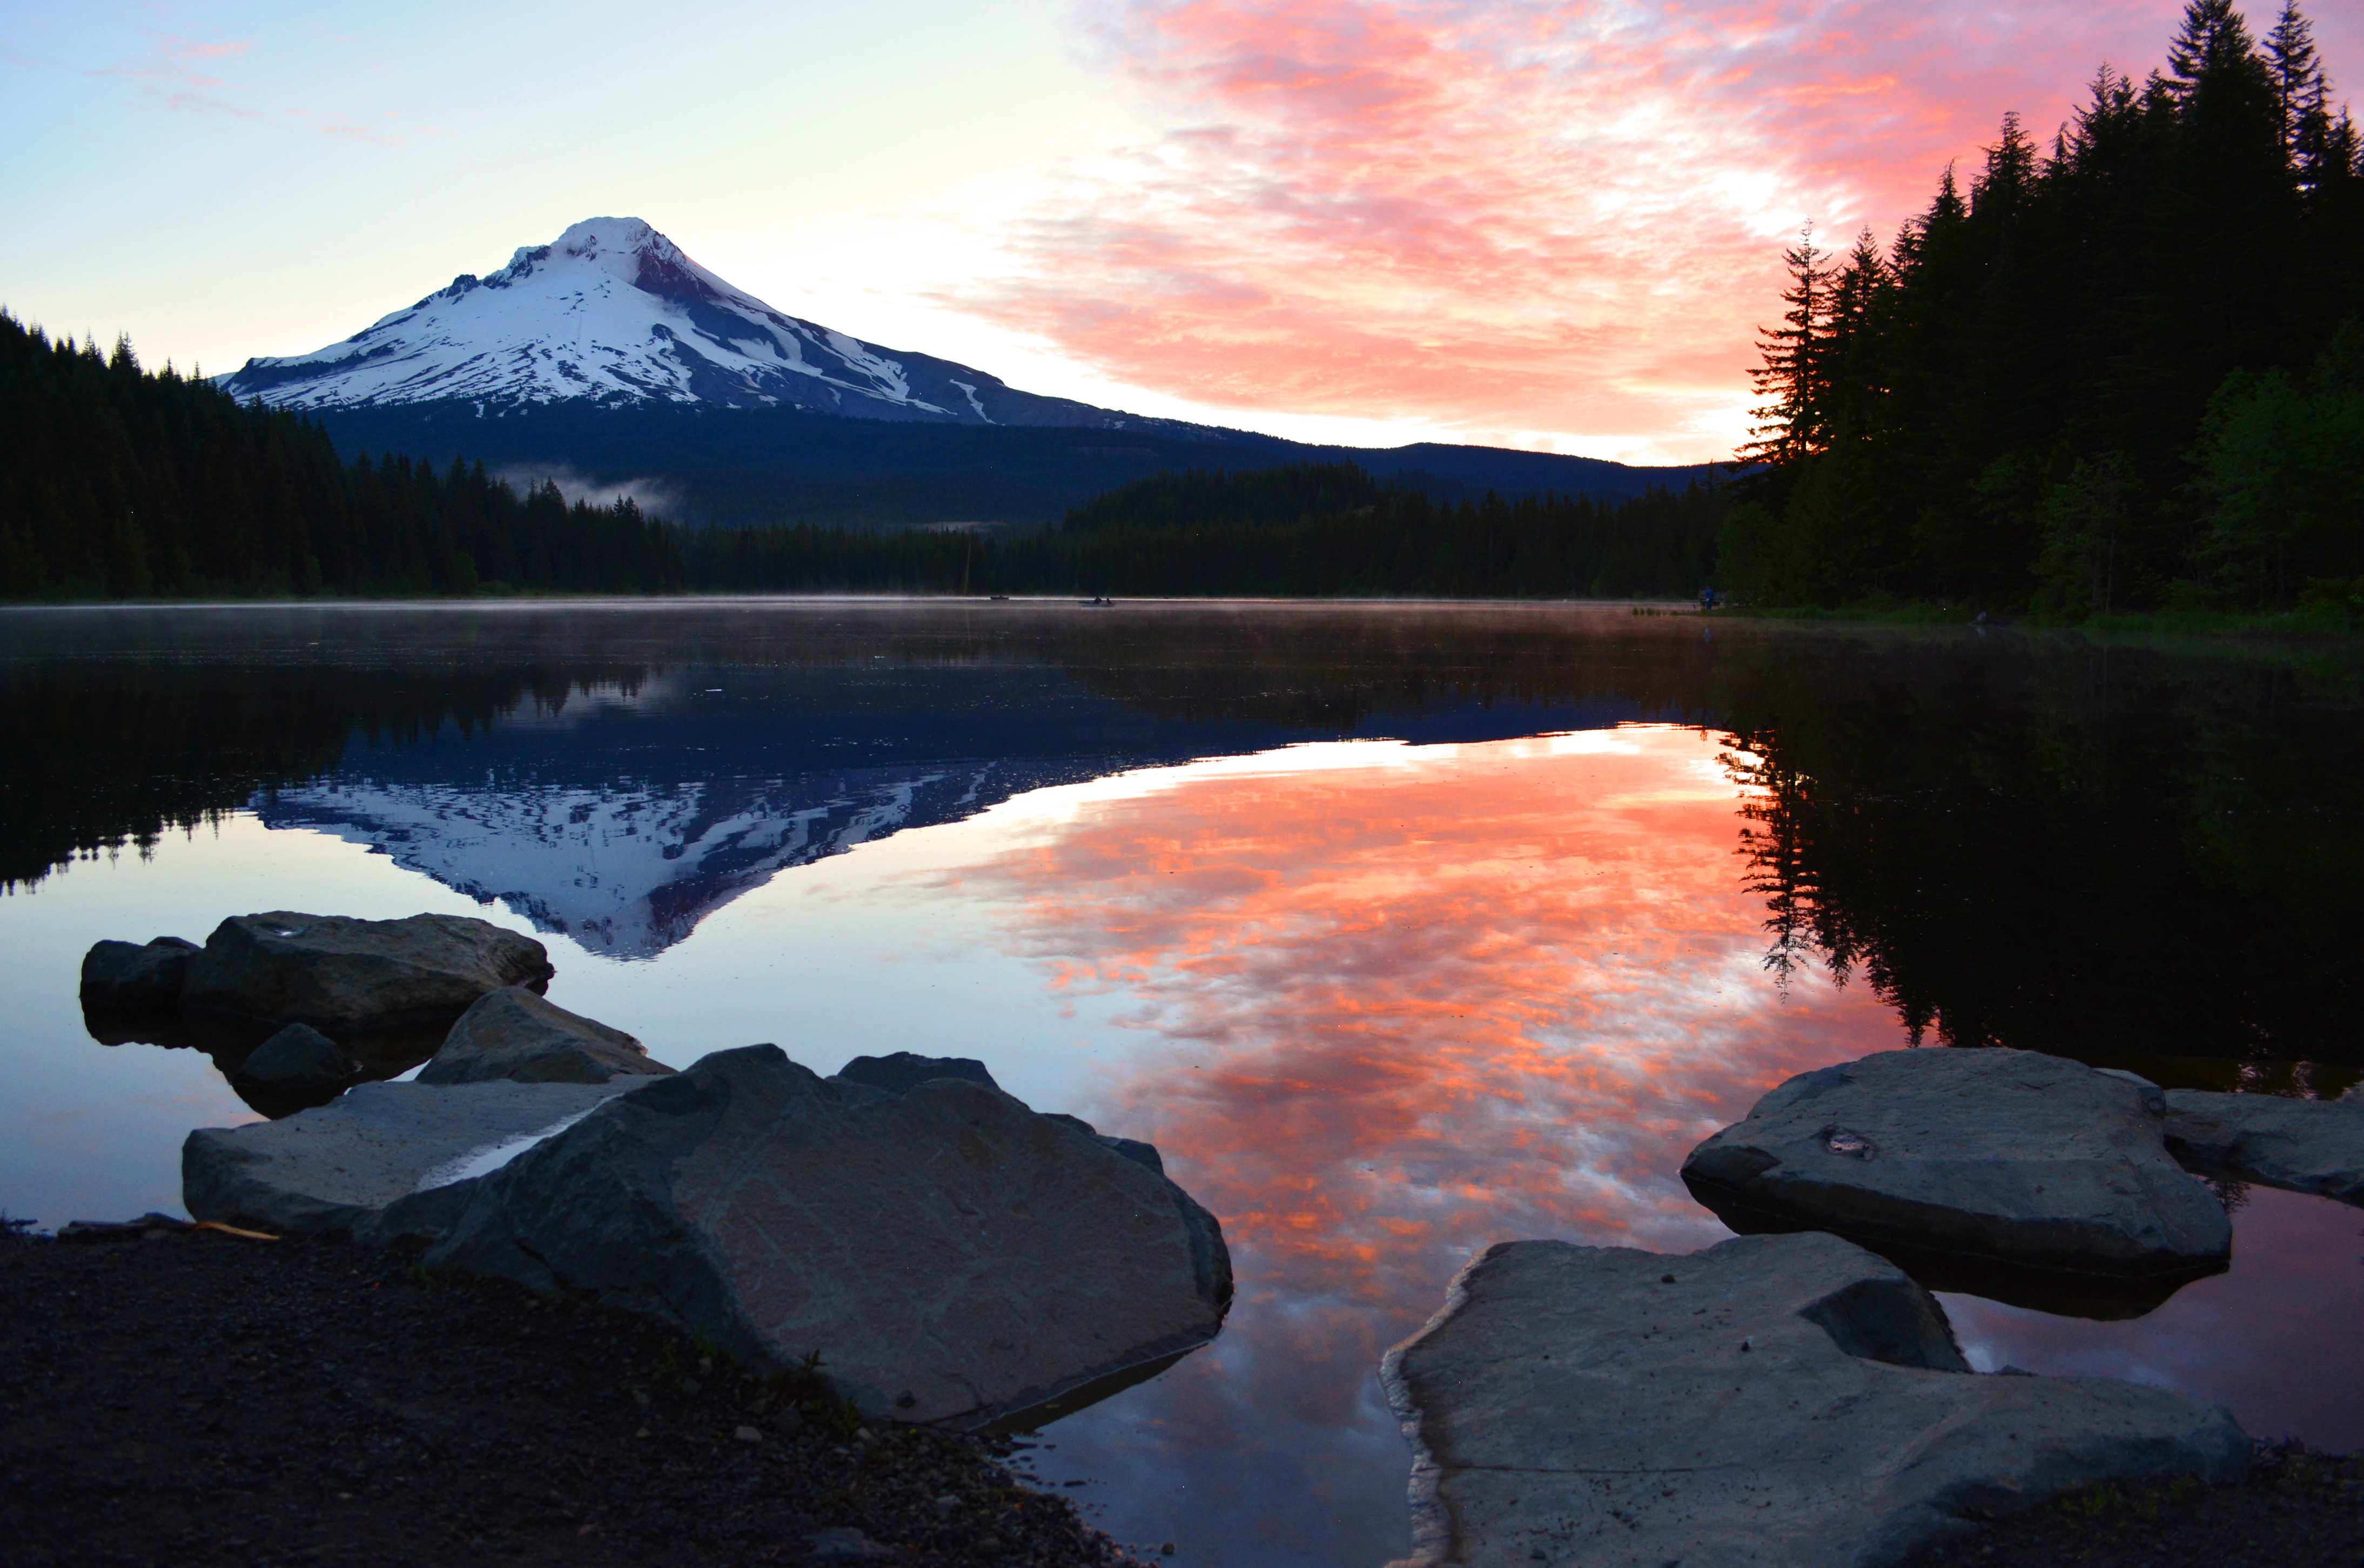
954,1257
1773,1402
347,977
2307,1146
2008,1174
514,1034
337,1169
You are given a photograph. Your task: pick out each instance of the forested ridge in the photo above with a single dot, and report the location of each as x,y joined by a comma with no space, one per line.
2122,372
1329,529
124,483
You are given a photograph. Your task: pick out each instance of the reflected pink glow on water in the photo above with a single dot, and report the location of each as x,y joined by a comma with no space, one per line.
2274,1341
1447,995
1392,1005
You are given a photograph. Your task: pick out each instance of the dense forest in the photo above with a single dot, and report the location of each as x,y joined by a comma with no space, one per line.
129,483
2125,371
1305,531
124,484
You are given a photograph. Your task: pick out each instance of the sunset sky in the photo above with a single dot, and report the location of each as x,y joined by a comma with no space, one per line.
1548,226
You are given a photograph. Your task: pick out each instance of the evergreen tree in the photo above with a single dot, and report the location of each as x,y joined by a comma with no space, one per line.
1791,380
2009,406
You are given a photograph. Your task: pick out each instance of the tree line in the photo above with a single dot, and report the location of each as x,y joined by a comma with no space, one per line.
132,484
2122,372
1309,530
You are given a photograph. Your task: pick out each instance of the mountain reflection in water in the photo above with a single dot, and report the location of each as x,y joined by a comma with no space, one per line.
1399,932
2036,841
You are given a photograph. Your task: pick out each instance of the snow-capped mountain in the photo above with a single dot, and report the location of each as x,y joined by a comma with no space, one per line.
613,313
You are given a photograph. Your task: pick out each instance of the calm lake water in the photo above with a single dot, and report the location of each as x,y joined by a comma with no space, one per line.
1398,930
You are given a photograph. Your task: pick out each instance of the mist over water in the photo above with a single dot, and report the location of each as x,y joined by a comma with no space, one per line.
1400,931
655,496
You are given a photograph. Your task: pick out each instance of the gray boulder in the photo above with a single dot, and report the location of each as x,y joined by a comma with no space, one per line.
955,1258
1132,1149
299,1059
512,1033
345,977
382,1160
126,977
908,1070
2307,1146
2008,1174
1779,1401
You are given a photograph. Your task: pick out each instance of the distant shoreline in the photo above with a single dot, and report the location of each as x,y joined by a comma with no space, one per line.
2288,627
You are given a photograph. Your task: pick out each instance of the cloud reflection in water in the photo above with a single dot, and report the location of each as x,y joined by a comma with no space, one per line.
1393,1004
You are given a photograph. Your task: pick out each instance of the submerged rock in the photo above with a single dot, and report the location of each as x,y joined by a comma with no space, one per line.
379,1148
1783,1401
2307,1146
953,1256
299,1059
344,977
512,1033
126,977
2032,1179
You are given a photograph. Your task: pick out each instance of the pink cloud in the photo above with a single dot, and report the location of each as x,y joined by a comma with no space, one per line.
176,77
1525,218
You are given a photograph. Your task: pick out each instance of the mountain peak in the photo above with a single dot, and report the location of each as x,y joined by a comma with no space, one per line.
612,312
623,248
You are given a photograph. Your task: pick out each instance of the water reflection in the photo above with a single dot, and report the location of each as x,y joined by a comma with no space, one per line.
1392,1005
1183,873
2273,1340
2040,842
227,1044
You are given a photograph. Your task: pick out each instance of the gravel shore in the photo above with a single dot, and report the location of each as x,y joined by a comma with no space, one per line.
2296,1508
185,1396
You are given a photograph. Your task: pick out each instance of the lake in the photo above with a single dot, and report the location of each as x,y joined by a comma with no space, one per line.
1399,929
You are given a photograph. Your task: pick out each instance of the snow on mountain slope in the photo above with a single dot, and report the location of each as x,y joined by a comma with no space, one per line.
614,313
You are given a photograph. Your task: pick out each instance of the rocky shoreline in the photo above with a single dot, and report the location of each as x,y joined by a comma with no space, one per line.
864,1265
177,1396
166,1402
1795,1396
964,1261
